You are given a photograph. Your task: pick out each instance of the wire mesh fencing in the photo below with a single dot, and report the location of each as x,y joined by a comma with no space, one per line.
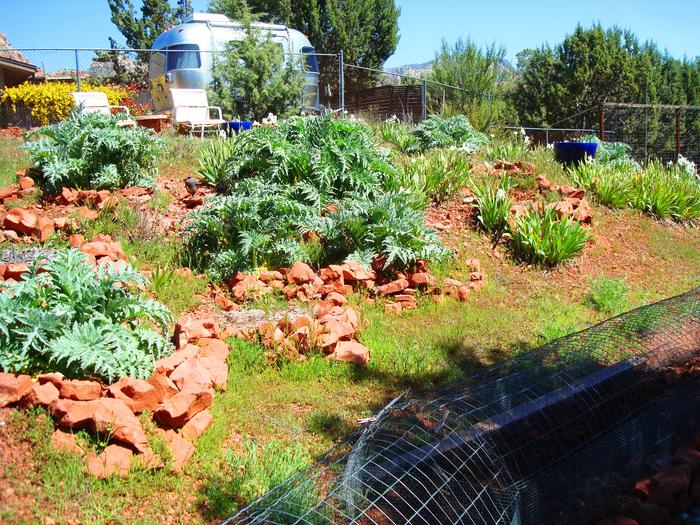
545,438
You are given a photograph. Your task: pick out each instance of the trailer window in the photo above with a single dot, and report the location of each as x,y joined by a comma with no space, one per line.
310,61
183,56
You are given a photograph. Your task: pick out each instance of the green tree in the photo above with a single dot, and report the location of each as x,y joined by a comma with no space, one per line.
252,78
156,16
367,31
483,76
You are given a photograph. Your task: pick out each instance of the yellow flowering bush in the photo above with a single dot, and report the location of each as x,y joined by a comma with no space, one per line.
51,101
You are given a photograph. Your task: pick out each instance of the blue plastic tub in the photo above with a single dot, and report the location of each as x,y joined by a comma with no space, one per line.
574,152
236,126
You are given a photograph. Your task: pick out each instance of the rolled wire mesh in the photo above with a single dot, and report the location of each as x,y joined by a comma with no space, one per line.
547,437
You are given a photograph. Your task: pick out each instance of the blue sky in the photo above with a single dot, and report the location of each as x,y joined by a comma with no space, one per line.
517,24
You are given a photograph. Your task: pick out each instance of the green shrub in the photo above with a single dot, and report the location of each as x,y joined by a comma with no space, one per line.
90,151
493,205
314,189
606,295
439,132
435,176
669,193
212,159
77,320
542,238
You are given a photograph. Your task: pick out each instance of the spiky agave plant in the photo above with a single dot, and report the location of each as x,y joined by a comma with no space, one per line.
68,316
545,239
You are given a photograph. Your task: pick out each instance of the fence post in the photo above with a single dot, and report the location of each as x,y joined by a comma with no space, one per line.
423,100
77,69
442,109
601,122
341,82
678,133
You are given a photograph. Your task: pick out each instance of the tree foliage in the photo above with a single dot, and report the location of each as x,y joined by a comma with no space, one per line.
483,76
156,16
594,65
252,78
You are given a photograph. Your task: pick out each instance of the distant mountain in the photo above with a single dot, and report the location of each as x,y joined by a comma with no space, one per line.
413,70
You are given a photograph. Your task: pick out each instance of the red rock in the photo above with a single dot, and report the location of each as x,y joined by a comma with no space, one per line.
583,213
25,182
168,364
354,271
11,235
13,388
41,395
300,273
351,351
87,196
189,329
22,221
268,277
106,416
45,228
477,276
564,209
102,196
569,191
67,196
463,293
393,308
404,298
9,191
330,274
181,449
225,303
56,378
217,369
393,287
112,250
80,390
180,408
76,240
652,491
421,280
137,394
336,299
112,460
191,373
196,426
163,386
87,214
675,478
194,201
16,271
61,223
473,264
334,331
66,441
213,348
135,191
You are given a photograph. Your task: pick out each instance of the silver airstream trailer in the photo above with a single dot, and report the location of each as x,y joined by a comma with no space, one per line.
185,55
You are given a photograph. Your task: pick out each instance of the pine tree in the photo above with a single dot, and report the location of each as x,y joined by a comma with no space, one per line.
156,16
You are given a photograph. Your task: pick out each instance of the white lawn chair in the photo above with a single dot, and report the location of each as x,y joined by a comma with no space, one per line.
191,109
96,102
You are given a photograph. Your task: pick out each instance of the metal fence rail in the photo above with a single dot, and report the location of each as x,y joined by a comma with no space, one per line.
546,438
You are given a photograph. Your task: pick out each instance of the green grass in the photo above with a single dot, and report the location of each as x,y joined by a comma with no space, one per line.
11,159
607,296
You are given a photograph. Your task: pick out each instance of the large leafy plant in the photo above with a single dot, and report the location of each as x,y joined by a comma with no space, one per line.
71,317
314,189
91,151
439,132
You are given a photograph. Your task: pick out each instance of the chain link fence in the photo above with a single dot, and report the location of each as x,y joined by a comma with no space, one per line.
549,437
652,131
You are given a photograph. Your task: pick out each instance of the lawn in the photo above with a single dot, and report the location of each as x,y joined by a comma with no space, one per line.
276,419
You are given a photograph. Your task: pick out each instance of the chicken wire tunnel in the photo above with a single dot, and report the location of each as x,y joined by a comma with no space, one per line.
547,437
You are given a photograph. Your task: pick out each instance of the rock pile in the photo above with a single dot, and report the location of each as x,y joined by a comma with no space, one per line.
178,396
674,488
573,203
